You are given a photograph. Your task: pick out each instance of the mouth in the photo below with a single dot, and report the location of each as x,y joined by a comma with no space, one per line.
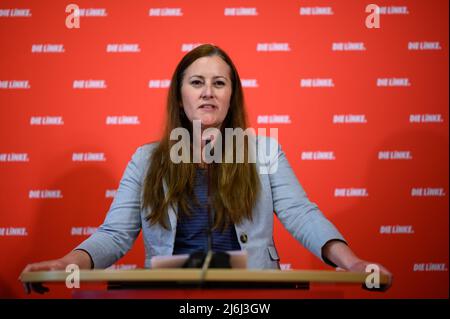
207,106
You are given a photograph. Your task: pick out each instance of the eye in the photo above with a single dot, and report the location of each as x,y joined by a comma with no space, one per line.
196,82
220,83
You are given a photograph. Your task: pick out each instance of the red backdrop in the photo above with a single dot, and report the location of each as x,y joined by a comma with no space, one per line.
375,100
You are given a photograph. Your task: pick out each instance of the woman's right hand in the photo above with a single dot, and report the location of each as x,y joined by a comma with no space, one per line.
78,257
56,264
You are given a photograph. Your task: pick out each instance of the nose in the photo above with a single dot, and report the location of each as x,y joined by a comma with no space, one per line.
207,91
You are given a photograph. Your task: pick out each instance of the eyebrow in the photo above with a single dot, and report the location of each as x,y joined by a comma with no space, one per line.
202,77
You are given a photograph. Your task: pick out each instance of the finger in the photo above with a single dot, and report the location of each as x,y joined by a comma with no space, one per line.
39,288
40,266
385,271
390,280
27,268
31,267
382,287
27,287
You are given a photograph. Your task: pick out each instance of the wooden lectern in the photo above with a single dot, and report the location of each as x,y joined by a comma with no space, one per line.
214,283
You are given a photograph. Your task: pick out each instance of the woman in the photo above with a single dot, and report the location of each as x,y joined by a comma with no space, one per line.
168,200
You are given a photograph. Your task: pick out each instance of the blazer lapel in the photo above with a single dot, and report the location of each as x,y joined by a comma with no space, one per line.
171,218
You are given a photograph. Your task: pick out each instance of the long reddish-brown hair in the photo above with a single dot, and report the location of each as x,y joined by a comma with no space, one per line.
234,186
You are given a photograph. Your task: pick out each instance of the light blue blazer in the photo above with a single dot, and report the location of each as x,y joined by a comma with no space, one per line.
280,193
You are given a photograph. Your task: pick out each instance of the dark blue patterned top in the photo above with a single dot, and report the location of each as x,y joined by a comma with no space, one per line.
191,235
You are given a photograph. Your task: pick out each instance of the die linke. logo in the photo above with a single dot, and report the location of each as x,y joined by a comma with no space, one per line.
88,157
123,120
393,10
83,231
430,267
424,45
45,193
14,157
393,82
240,12
395,155
316,83
316,11
270,119
351,192
186,47
47,48
46,120
273,47
318,156
110,193
123,48
13,231
89,84
249,83
349,119
15,84
93,12
426,118
159,84
396,229
427,192
348,46
285,266
15,13
165,12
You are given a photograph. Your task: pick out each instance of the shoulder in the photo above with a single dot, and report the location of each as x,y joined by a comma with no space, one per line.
268,154
267,146
143,153
139,162
147,148
263,140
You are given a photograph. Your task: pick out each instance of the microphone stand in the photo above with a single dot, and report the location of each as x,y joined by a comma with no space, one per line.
209,255
212,260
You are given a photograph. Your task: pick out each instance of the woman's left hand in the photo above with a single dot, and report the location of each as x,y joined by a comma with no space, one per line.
366,267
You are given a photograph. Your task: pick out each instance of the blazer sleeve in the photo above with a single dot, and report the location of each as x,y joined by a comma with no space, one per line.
297,213
122,224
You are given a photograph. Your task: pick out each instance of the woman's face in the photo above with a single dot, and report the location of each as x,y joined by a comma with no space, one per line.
206,91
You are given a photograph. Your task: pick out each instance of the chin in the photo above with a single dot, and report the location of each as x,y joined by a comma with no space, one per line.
209,122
